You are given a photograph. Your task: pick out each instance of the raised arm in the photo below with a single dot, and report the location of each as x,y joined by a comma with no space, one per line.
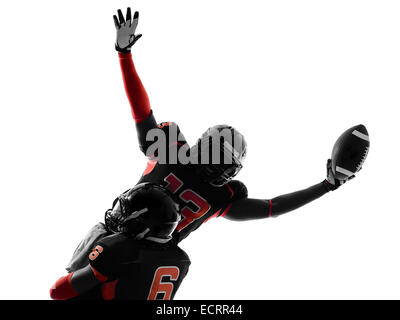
250,209
135,91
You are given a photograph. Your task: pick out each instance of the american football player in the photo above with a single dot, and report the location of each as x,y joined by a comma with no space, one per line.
203,190
138,260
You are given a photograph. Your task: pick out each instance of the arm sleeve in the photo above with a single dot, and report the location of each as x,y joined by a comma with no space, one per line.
62,289
251,209
135,91
138,99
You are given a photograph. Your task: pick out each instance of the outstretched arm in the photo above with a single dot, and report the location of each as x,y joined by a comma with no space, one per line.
135,91
250,209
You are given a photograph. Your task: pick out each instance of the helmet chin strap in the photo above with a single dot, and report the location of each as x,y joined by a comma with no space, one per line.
141,235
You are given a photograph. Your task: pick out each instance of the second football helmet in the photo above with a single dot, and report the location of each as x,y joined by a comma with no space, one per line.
145,211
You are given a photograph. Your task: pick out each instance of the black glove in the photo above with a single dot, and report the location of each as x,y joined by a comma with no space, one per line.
126,37
331,181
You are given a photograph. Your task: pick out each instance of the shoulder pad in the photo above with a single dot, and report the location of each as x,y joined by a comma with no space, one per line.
239,189
105,256
172,132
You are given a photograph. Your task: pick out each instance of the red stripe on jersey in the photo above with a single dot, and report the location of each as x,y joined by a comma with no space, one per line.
270,208
108,290
150,166
213,216
164,124
175,143
230,189
98,275
226,210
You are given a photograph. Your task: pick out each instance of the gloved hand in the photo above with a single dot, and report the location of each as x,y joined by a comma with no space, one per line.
126,37
331,181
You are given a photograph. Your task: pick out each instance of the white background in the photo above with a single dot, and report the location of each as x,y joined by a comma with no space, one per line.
291,75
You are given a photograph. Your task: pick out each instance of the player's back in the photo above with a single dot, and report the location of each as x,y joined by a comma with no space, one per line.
138,270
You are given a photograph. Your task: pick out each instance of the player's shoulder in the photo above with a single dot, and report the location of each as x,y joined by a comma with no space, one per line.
174,252
111,251
113,240
238,189
167,124
172,131
119,244
184,256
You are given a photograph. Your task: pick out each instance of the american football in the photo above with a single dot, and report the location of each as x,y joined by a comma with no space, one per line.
349,152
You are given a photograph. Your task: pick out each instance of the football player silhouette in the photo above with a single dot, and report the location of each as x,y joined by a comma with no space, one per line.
203,189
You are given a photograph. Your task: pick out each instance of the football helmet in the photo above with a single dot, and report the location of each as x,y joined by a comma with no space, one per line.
221,151
145,211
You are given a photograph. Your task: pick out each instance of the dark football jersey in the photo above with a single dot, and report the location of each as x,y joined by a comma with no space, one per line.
198,200
137,270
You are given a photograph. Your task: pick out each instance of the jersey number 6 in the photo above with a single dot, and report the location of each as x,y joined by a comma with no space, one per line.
158,286
95,253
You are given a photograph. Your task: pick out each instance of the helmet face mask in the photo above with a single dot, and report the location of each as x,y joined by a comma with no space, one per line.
219,174
114,217
145,211
218,143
